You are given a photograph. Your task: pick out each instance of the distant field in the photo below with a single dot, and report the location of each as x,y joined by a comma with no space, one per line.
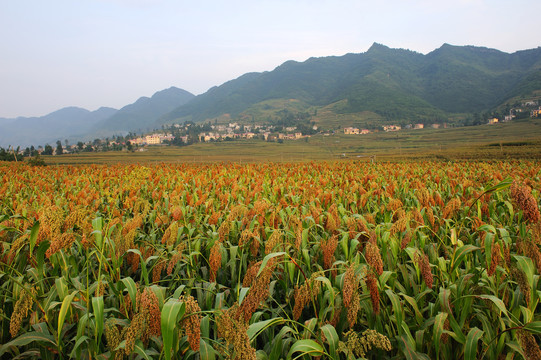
519,139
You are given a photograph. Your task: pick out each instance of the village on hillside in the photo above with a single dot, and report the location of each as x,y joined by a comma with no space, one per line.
189,133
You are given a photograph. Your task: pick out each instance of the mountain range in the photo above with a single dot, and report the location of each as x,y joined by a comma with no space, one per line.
395,84
382,85
71,122
76,124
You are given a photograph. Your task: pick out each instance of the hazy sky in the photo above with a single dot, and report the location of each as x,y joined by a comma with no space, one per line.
85,53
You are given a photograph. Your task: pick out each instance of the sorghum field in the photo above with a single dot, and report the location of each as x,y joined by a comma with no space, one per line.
338,260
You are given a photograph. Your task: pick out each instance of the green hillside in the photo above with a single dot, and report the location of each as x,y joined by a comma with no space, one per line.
383,84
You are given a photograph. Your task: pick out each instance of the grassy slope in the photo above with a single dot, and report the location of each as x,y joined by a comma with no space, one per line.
454,143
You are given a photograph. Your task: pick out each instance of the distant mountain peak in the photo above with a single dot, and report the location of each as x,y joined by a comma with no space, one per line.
377,46
172,92
142,114
451,47
106,108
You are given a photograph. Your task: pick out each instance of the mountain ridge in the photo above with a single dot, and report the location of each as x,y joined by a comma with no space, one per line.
393,83
142,114
383,84
75,123
67,123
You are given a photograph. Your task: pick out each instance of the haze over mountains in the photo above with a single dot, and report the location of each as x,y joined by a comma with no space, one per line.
142,114
383,84
70,122
75,124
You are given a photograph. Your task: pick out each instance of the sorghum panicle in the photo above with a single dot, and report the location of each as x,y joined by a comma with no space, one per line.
372,284
112,334
424,264
233,331
150,306
192,322
273,241
520,277
303,294
529,345
215,260
522,195
373,257
494,258
20,312
258,292
451,208
329,247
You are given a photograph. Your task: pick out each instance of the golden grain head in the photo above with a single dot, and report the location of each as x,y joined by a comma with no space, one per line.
305,293
223,230
150,302
112,334
176,258
215,260
192,322
373,257
520,277
372,284
451,208
329,246
522,195
424,264
271,245
495,259
20,312
259,291
368,340
135,331
157,270
59,242
353,309
529,345
245,237
233,331
351,285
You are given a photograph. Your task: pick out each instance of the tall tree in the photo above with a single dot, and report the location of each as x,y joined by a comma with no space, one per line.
59,150
48,150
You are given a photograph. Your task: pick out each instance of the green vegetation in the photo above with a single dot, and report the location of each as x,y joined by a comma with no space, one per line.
36,160
10,155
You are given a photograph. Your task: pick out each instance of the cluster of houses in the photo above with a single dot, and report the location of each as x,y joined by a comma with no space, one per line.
355,131
530,105
153,139
267,135
222,132
236,131
387,128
